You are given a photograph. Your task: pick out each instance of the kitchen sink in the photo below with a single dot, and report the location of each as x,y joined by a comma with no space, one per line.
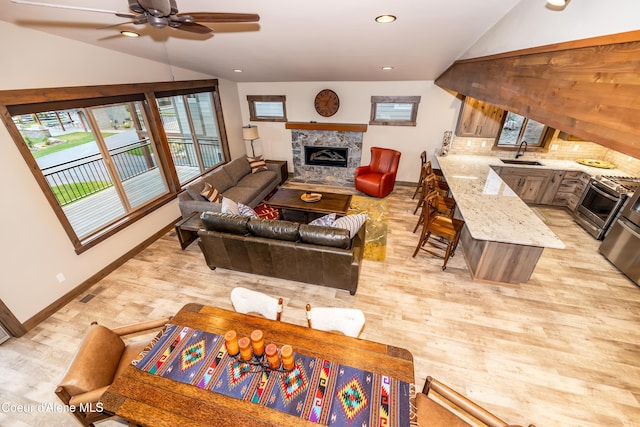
521,162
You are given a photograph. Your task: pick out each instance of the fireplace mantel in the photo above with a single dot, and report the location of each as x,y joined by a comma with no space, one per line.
341,127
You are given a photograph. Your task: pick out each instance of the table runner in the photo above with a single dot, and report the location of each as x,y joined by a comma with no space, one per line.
317,389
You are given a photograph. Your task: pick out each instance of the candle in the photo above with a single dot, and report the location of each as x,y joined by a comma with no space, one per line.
245,348
231,341
286,352
257,342
272,356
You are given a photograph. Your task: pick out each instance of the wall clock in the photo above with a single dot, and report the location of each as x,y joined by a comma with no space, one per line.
327,103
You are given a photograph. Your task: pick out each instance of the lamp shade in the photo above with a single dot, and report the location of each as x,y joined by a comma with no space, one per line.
250,133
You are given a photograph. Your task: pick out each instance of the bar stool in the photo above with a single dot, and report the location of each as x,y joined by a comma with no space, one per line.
445,205
423,160
442,227
441,187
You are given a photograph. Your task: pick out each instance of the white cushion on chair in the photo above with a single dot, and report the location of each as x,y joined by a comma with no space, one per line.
349,321
248,301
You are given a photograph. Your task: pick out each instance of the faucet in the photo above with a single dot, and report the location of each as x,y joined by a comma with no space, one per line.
518,154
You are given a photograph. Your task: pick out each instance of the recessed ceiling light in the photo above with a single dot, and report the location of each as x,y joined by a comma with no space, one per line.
386,68
237,70
384,19
558,3
129,34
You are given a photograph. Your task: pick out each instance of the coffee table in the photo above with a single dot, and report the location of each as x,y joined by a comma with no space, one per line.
289,199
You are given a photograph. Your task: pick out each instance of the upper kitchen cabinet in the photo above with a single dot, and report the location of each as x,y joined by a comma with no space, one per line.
479,119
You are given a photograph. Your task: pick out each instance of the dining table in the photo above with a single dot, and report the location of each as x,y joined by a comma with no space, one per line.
162,389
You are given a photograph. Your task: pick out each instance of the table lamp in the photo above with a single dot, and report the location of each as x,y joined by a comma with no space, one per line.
250,133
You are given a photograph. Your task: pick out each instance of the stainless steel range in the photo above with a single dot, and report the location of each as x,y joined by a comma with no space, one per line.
602,201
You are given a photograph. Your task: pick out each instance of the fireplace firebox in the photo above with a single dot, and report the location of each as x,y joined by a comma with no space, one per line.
326,156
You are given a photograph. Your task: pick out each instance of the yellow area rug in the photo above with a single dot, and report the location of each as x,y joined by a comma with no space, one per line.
377,210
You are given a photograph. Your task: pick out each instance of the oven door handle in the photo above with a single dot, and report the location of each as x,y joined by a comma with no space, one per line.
625,225
607,195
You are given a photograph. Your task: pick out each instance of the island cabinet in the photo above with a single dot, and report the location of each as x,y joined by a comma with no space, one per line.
479,119
528,183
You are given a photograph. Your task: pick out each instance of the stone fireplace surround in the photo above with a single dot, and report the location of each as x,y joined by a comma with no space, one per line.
326,135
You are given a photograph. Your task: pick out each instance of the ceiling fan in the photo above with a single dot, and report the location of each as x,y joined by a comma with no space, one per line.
162,14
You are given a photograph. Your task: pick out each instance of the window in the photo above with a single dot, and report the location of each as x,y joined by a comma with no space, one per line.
394,110
192,133
516,128
267,108
105,156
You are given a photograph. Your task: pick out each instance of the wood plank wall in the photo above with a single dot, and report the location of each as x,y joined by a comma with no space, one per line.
588,88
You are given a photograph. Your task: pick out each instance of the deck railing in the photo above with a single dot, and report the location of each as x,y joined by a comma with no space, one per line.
83,177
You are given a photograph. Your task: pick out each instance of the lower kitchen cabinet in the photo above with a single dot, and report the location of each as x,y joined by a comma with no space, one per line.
570,191
528,183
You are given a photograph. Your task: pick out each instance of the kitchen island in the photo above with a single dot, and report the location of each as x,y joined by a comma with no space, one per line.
503,238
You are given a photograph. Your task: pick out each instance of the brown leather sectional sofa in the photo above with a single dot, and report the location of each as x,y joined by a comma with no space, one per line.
306,253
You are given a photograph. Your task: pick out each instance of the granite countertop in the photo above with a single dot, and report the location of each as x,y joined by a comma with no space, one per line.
491,210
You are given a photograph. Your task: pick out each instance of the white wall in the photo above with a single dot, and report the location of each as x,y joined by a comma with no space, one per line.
437,112
34,246
530,23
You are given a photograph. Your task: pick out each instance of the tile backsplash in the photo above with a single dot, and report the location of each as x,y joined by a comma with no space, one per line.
559,149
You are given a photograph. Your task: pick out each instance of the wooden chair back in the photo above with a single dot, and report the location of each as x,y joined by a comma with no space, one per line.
453,408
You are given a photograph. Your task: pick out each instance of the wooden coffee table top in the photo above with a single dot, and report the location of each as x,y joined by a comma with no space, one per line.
289,198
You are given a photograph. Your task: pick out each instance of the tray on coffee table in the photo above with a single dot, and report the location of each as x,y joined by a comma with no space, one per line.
289,198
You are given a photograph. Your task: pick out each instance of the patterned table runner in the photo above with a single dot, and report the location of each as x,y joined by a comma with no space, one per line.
317,389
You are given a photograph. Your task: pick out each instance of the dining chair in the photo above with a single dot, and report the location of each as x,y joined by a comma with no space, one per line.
444,205
438,405
420,185
247,301
100,358
348,321
446,230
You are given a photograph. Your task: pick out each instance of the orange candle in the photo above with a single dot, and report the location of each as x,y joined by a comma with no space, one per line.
245,348
257,342
286,352
231,341
272,356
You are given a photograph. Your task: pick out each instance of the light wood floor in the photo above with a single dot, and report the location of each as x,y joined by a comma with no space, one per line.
560,350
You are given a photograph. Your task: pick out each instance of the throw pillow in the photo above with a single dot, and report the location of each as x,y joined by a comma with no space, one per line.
351,223
247,211
210,193
257,164
325,221
229,206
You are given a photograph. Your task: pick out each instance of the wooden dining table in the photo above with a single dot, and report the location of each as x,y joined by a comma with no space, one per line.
151,400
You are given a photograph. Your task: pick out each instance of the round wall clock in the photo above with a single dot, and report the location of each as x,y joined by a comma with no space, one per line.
327,103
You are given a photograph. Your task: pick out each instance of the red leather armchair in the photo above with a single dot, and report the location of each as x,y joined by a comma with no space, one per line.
379,177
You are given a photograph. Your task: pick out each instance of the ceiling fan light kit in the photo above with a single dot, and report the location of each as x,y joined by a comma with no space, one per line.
162,14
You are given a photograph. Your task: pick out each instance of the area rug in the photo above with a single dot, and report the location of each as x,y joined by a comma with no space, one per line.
377,210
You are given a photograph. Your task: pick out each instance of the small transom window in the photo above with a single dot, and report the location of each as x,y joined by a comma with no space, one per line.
267,108
394,110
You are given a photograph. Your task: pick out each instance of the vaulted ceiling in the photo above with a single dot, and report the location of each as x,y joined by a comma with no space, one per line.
329,40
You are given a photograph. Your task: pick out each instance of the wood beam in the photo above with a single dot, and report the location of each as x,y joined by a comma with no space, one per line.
588,88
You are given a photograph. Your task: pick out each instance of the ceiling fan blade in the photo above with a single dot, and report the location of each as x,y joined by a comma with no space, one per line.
193,27
63,6
222,17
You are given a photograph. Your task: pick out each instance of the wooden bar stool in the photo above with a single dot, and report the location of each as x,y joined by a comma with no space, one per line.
423,160
445,205
442,227
441,187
